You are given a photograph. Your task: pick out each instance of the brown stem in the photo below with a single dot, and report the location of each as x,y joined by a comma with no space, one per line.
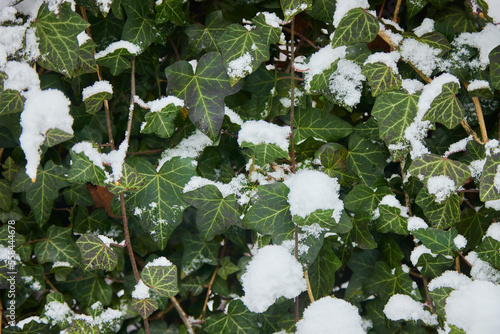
480,118
469,131
158,150
50,284
302,37
396,11
171,41
428,296
387,39
309,289
127,239
457,265
463,257
1,153
207,297
381,9
182,314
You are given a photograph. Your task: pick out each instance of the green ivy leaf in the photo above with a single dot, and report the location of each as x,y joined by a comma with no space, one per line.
57,246
94,102
95,254
237,320
80,326
197,252
391,252
161,122
438,241
5,195
227,268
313,123
292,8
453,21
163,188
440,215
436,40
446,108
429,165
356,26
175,11
90,289
97,222
322,271
489,250
434,266
203,38
390,220
161,279
366,159
364,198
381,78
10,169
55,136
385,284
145,307
494,58
203,91
271,212
85,62
214,213
11,102
138,28
117,61
415,6
474,224
84,170
57,38
439,297
238,42
264,153
323,10
41,194
360,235
487,189
269,34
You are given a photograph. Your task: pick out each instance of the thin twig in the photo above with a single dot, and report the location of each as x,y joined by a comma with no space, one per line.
302,37
457,265
428,296
381,9
158,150
463,257
295,78
309,289
182,314
171,41
50,284
396,11
469,131
209,290
480,118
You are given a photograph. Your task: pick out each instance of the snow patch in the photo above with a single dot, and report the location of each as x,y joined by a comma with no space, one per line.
441,187
262,132
403,307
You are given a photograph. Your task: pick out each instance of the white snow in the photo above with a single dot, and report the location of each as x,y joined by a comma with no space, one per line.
493,231
320,61
272,273
395,38
475,307
96,88
189,147
482,270
141,291
159,104
421,55
312,190
20,76
104,5
43,110
460,241
131,48
159,262
492,147
495,204
262,132
441,187
485,41
57,312
342,7
236,186
403,307
493,10
291,12
82,38
7,13
392,201
459,146
233,116
478,84
90,151
107,241
476,167
390,59
412,85
194,64
331,315
272,19
346,82
415,223
449,279
425,27
240,67
496,180
61,264
417,252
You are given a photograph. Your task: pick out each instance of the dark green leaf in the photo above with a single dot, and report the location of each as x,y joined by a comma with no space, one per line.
366,159
94,102
264,153
57,246
293,7
391,251
360,235
84,170
145,307
386,282
438,241
474,224
434,266
415,6
494,58
5,195
446,108
138,28
86,60
197,252
322,271
227,267
440,215
11,102
175,11
238,320
117,61
381,78
203,38
364,198
487,189
489,251
161,122
323,10
270,34
429,165
390,220
311,123
453,21
356,26
96,255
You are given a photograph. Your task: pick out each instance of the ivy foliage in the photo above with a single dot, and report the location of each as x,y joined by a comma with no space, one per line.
188,152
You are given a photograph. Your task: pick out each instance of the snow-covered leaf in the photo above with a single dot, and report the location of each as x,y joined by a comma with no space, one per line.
381,78
96,255
161,279
446,108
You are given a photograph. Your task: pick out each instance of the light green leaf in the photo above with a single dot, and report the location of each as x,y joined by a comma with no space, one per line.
203,38
203,91
381,78
84,170
41,194
227,268
390,220
238,320
94,102
238,43
446,108
138,28
57,246
271,212
56,136
366,159
214,213
356,26
161,279
197,252
131,180
438,241
160,199
57,38
95,254
145,307
489,250
364,198
440,215
292,8
161,122
487,189
429,165
175,11
11,102
313,123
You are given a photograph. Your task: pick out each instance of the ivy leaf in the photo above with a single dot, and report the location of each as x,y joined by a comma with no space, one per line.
364,198
434,266
487,189
160,199
438,241
446,108
161,279
360,235
436,40
203,92
97,222
145,307
390,220
10,169
271,212
197,252
238,43
227,268
269,34
312,123
366,159
215,213
429,165
203,38
86,60
117,61
237,320
57,246
439,297
395,111
440,215
391,251
83,170
5,195
414,7
385,284
90,289
263,154
323,10
381,78
138,28
57,38
293,7
474,224
489,250
55,136
454,21
80,326
175,11
494,58
41,194
131,180
11,102
94,102
322,271
161,122
95,254
356,26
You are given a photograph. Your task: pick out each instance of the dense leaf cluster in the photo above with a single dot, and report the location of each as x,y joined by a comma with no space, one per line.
229,62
